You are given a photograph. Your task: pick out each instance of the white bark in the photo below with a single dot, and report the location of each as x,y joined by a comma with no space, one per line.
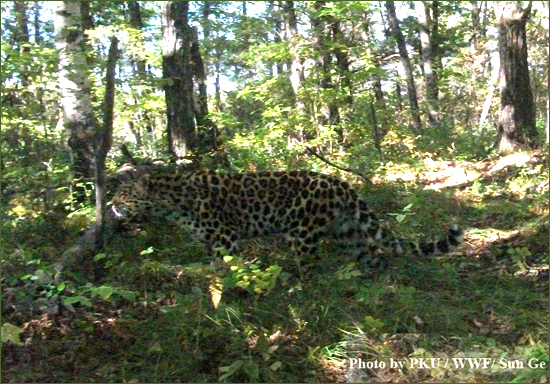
72,75
492,86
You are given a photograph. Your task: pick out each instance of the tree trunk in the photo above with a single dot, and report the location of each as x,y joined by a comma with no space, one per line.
140,72
476,24
343,60
277,21
104,142
376,132
87,23
176,70
398,96
296,64
489,99
327,110
36,23
209,132
296,76
516,126
134,13
217,86
22,37
411,87
215,53
430,77
435,39
199,76
379,97
78,115
546,13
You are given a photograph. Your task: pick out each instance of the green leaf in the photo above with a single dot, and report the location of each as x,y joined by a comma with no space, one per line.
155,347
230,370
104,292
252,369
147,251
128,295
11,333
99,256
77,299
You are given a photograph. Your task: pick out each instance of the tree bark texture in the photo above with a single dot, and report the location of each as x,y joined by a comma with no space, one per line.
296,64
489,99
379,104
327,110
22,36
199,75
104,142
176,70
87,23
278,33
78,114
435,39
140,71
516,126
405,62
36,23
546,8
209,132
343,61
430,78
136,22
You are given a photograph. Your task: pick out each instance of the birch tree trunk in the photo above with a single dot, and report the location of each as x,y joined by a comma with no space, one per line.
296,65
430,78
78,114
405,62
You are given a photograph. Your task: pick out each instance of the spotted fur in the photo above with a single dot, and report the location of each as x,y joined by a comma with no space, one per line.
303,206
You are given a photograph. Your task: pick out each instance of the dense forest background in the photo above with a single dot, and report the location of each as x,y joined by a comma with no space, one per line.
437,112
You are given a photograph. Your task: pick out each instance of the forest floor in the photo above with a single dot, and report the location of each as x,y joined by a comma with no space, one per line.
163,313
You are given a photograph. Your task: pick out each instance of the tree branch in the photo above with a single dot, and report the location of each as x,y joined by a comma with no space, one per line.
350,170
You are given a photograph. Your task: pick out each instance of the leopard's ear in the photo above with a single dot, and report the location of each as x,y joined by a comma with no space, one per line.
144,183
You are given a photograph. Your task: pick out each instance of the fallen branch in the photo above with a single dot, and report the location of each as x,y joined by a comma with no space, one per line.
82,251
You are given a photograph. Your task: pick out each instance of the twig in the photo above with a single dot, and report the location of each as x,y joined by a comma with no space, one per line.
350,170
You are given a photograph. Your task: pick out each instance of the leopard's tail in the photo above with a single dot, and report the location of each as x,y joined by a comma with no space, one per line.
389,247
453,239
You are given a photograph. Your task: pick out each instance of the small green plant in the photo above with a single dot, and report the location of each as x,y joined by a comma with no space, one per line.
538,362
83,295
247,367
258,366
519,256
348,271
251,276
402,216
11,333
372,325
370,294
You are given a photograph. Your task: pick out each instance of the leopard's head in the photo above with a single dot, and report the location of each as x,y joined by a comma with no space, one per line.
132,200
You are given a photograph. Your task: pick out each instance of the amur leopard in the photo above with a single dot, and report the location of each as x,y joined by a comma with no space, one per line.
303,206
